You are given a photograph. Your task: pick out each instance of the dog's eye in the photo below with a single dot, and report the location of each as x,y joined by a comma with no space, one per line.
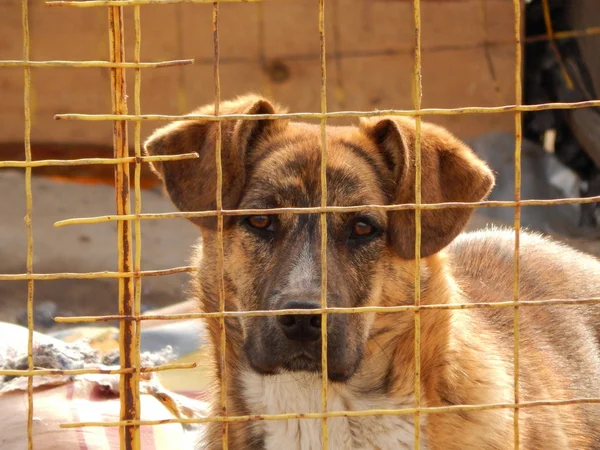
259,222
362,229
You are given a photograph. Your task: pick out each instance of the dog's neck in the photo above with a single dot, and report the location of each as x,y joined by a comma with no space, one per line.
301,393
385,379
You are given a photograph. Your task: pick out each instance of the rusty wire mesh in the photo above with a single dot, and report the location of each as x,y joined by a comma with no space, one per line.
130,272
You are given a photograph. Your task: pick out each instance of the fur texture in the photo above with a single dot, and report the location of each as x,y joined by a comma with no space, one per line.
273,261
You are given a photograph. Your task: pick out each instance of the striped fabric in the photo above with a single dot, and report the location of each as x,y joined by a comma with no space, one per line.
79,401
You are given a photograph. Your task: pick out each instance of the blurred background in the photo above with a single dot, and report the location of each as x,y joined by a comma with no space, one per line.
272,47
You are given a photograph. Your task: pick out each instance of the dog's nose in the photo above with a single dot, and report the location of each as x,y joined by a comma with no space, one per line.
301,327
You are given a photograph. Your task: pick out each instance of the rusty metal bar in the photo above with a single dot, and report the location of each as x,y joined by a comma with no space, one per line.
129,435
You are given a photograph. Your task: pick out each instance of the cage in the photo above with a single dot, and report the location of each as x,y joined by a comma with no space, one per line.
515,79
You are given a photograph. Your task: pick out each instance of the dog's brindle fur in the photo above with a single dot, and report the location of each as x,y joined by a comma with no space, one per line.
466,355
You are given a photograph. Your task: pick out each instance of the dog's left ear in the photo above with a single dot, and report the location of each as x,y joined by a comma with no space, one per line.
450,172
191,184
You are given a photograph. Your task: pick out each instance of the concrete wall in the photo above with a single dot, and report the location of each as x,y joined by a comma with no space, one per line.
370,65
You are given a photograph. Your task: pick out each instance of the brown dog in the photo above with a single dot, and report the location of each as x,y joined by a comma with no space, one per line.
273,262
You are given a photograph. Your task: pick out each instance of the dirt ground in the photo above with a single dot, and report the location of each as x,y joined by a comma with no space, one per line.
81,248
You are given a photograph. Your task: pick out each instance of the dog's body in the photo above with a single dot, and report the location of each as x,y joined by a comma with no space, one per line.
272,364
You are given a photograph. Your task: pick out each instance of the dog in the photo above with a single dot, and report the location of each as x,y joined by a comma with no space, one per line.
273,261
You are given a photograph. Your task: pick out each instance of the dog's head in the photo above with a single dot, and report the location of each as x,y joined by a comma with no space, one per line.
274,261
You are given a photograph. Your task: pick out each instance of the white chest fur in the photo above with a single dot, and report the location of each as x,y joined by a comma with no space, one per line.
301,393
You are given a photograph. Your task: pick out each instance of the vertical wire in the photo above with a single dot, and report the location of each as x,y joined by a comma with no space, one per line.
262,59
323,95
486,51
28,216
219,201
138,208
340,92
553,45
417,96
517,221
129,434
181,97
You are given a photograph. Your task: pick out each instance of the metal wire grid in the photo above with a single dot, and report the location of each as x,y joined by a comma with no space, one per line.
130,278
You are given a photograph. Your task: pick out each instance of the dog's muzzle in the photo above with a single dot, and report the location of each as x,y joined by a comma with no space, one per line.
292,342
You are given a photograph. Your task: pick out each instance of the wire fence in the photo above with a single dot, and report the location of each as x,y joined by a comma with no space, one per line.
130,273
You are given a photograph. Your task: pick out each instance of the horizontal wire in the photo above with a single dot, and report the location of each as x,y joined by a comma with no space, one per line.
337,114
321,415
333,310
348,54
93,3
83,64
293,57
57,372
330,209
558,35
290,57
591,31
95,161
94,275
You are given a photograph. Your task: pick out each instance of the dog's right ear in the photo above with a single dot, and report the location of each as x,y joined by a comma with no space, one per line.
192,183
451,172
